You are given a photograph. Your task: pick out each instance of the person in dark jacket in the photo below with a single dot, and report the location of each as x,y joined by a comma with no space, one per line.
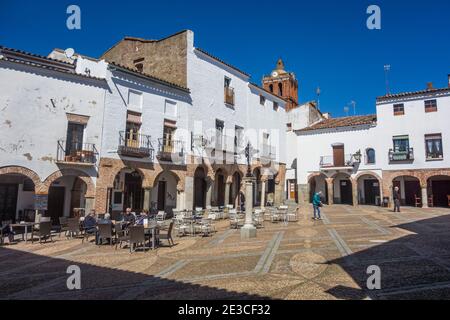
396,199
317,203
129,217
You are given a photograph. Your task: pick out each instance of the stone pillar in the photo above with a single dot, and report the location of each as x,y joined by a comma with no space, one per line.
330,187
209,186
263,193
355,192
147,198
424,197
180,200
227,193
248,230
89,205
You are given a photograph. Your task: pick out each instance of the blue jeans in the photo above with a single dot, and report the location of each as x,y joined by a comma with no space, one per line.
316,209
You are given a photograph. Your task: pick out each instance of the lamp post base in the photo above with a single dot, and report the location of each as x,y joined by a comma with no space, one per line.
248,231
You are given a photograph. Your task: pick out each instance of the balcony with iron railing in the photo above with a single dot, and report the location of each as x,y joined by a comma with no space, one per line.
77,153
229,95
133,144
399,156
349,160
221,142
170,150
198,141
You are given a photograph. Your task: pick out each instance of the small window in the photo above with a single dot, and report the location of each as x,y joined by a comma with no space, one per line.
227,82
433,146
289,126
271,88
139,64
401,144
262,100
399,109
275,106
370,156
430,106
280,89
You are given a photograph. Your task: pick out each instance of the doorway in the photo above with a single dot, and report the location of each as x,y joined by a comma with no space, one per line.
8,201
346,192
55,208
338,155
162,189
133,191
371,191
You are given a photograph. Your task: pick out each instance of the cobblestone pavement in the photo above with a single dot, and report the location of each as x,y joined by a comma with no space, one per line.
307,259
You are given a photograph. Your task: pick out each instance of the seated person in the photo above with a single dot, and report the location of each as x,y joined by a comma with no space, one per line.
142,217
107,216
7,231
128,217
90,222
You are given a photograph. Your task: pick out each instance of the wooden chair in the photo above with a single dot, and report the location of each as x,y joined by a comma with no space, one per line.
417,201
166,236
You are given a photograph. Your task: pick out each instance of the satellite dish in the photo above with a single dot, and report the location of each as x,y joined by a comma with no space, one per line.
69,52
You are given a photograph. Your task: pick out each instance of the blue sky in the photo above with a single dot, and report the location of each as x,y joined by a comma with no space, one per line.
326,43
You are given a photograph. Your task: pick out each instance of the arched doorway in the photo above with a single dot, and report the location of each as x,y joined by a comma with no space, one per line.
368,190
65,194
342,189
409,188
164,192
257,187
199,188
316,184
17,193
439,190
127,191
220,180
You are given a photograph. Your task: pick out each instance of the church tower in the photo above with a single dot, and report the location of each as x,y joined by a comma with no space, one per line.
283,84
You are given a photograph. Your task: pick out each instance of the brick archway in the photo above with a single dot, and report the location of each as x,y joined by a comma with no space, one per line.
178,177
25,172
90,190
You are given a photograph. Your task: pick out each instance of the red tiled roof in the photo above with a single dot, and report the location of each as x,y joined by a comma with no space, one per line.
414,93
342,122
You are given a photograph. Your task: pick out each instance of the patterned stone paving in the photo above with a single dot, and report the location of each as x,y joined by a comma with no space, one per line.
307,259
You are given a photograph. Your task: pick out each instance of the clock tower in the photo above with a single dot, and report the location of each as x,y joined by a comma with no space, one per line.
283,84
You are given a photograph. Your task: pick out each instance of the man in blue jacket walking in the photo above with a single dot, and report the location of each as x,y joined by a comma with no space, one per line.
317,203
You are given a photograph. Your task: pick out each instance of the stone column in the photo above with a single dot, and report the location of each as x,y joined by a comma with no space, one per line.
424,197
227,193
209,186
330,187
263,193
355,192
147,198
248,230
180,200
89,205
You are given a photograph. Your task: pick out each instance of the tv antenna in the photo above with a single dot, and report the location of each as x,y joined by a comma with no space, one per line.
353,104
318,96
387,68
346,109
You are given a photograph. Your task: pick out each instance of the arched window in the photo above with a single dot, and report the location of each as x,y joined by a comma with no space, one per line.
370,156
280,89
271,88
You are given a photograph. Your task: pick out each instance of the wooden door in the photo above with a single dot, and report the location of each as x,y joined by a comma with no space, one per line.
371,191
292,187
412,189
338,156
55,207
161,195
8,201
221,190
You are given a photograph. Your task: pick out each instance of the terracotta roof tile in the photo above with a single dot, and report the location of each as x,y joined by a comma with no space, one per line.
342,122
414,93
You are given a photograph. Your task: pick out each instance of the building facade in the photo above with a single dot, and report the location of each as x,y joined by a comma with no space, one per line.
358,160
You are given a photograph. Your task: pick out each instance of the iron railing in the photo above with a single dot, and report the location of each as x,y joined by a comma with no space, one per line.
134,144
76,152
167,147
407,155
329,161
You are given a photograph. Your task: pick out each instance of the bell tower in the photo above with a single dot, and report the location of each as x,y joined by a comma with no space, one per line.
283,84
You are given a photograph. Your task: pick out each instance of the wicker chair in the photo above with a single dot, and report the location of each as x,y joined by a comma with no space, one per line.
105,232
166,236
73,227
44,232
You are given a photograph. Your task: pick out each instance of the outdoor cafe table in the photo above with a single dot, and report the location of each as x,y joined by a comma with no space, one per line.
153,227
24,225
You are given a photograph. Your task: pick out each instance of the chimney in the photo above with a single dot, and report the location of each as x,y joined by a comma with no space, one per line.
326,115
429,85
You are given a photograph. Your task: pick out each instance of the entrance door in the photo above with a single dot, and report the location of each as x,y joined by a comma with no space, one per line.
8,201
133,191
200,192
221,190
346,192
412,189
292,188
441,190
55,207
162,195
338,156
371,191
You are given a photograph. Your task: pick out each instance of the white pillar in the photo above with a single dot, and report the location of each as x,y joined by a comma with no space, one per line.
147,198
209,184
248,230
263,193
424,197
227,193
